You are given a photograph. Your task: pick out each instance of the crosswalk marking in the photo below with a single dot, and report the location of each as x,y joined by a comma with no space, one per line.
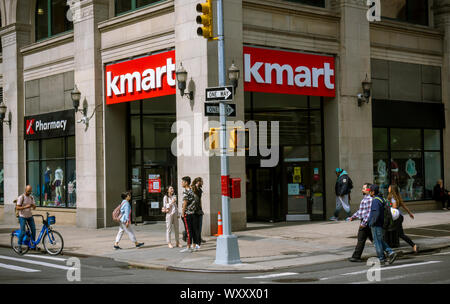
34,262
273,275
393,267
45,257
18,268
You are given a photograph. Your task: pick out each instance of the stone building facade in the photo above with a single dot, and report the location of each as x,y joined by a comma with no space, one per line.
128,145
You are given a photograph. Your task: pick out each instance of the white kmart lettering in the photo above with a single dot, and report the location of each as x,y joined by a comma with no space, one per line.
150,79
301,76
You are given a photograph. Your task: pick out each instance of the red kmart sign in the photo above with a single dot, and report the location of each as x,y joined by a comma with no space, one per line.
142,78
274,71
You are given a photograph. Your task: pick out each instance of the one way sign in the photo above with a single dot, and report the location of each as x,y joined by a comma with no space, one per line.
220,93
212,109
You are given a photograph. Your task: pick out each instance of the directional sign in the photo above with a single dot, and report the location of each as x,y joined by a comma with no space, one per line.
212,109
220,93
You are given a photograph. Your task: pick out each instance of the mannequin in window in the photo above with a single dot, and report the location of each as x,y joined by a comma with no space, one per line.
72,190
411,171
381,168
394,171
47,184
58,185
1,179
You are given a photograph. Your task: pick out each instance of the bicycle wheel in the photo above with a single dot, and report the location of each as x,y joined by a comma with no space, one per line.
15,245
53,242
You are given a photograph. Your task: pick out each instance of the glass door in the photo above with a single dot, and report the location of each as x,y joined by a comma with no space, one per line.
298,190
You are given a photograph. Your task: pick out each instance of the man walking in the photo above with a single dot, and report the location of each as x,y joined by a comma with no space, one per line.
376,221
364,232
25,203
343,188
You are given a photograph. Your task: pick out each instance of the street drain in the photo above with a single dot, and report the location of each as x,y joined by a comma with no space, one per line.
299,280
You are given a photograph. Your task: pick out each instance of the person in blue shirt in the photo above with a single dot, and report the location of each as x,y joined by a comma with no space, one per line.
125,221
376,221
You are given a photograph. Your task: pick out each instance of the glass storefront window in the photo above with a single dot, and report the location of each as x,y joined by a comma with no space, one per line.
412,11
432,139
51,171
405,161
380,139
406,139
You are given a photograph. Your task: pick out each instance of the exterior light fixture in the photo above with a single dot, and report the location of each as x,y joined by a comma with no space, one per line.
233,76
76,97
365,95
182,79
3,110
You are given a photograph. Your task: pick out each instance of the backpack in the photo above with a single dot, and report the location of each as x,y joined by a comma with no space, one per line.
350,183
389,223
116,214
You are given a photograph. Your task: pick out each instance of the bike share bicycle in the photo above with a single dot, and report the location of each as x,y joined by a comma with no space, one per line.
51,239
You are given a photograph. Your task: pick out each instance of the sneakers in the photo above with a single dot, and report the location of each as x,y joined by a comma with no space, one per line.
197,248
333,218
355,260
117,247
392,258
187,249
139,245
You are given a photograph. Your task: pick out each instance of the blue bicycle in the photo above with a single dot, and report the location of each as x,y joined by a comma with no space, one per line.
51,239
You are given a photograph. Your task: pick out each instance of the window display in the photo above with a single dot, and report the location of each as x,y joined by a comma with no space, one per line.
48,160
415,161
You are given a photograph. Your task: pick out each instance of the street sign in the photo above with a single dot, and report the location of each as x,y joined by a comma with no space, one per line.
212,109
224,93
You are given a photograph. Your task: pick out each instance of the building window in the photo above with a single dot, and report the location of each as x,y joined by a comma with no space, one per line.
51,18
123,6
409,158
412,11
51,171
319,3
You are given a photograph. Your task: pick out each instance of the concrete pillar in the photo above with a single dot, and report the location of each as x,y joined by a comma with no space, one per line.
442,21
352,149
199,57
89,142
14,36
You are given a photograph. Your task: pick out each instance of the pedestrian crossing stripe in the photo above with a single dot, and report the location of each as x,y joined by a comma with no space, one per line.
2,257
18,268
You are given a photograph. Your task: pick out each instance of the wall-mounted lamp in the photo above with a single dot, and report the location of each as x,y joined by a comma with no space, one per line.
364,97
3,110
182,79
233,76
76,96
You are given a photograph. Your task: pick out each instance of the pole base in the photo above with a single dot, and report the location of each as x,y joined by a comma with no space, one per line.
227,250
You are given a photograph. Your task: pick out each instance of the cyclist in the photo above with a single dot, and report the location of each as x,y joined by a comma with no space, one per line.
25,203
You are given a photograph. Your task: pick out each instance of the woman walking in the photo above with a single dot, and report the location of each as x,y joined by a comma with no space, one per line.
125,220
171,210
197,190
397,202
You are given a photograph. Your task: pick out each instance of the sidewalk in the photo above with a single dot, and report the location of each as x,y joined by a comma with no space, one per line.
262,247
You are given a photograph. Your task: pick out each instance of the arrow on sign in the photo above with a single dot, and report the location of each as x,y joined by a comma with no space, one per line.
219,93
212,109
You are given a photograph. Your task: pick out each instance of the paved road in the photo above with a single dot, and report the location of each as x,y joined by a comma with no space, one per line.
427,268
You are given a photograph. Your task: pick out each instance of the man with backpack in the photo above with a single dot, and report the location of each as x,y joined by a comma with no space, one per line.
343,187
376,222
24,204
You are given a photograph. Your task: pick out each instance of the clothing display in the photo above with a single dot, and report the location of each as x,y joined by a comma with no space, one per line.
411,171
58,185
47,184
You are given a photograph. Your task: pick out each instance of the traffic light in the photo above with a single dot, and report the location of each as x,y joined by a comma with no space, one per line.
206,20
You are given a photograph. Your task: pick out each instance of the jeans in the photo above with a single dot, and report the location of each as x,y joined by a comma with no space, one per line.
23,221
364,233
380,245
342,202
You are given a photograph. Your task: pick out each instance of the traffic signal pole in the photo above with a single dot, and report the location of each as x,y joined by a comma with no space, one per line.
227,249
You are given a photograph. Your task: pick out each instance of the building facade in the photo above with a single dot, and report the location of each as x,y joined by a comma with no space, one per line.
302,65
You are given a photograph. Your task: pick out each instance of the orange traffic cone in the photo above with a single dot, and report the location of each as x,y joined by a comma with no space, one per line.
219,225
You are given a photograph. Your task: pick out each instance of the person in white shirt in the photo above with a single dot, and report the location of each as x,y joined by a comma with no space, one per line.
171,209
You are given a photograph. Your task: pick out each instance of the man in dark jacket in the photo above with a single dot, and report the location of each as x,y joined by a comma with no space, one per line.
343,188
441,194
376,221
